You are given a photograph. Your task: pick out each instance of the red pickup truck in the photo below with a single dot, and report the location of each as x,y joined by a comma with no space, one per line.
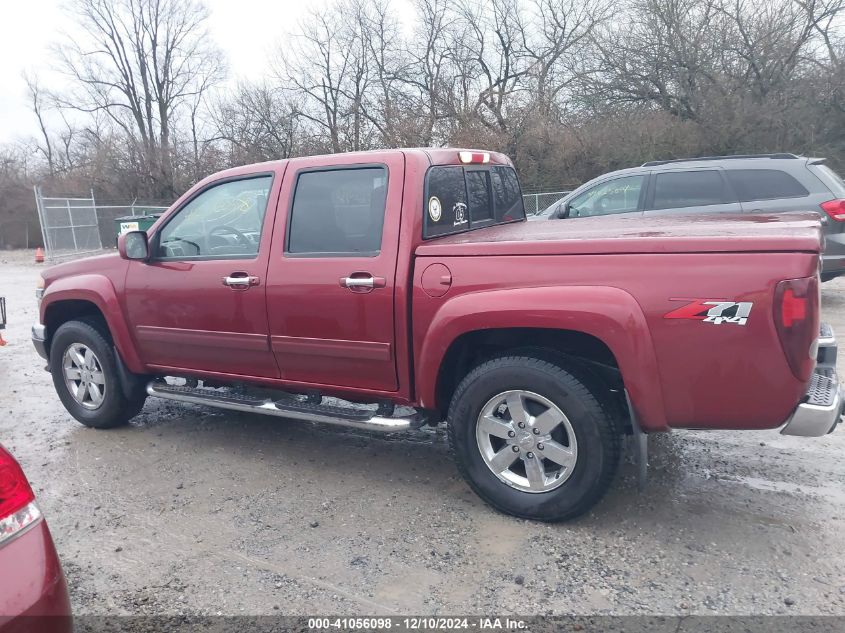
408,283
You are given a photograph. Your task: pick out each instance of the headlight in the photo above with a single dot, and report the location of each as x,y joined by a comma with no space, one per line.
39,288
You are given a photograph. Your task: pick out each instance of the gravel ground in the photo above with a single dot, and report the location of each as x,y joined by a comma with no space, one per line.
192,510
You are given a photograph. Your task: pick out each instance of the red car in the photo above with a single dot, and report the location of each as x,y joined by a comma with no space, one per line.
33,593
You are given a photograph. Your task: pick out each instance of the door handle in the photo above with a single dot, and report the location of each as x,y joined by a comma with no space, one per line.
240,280
362,281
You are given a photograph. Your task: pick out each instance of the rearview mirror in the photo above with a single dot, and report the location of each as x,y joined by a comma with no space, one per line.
133,245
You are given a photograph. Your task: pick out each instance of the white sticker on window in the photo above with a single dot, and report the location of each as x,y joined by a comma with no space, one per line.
435,211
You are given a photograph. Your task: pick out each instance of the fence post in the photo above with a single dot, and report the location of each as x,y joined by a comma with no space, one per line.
72,227
39,207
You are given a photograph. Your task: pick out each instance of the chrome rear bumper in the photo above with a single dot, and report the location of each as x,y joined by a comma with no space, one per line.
820,409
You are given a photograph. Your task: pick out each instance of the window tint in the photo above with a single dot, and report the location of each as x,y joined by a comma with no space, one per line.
764,184
223,221
621,195
478,192
831,179
338,211
507,196
458,197
675,190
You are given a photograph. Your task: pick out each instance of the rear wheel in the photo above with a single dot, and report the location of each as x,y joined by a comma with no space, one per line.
534,439
84,370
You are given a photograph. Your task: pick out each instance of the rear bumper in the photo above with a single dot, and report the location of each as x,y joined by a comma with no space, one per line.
39,340
33,593
821,407
833,258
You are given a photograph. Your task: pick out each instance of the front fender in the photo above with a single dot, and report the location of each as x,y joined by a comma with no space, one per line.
609,314
99,290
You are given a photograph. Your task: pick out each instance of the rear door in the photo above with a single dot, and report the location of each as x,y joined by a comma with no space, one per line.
698,190
331,278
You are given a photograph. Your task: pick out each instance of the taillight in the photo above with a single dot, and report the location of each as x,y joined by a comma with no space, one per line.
796,314
17,502
835,209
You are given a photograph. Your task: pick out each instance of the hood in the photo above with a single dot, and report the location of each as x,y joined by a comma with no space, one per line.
677,233
98,264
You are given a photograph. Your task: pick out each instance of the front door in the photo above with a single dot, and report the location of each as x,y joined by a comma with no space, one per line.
331,277
199,302
610,197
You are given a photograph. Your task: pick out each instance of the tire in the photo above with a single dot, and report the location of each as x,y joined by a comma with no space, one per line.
586,410
114,408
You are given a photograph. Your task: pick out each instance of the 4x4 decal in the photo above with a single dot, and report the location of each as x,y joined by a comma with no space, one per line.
716,311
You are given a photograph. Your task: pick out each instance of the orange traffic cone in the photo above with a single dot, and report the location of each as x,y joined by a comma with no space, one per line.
39,255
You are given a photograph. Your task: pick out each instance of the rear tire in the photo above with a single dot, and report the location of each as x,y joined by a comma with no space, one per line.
586,437
84,370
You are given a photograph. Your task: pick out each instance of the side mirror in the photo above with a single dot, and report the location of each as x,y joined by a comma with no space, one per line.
134,245
564,213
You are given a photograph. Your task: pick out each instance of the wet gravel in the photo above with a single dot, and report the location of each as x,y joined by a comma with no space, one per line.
194,511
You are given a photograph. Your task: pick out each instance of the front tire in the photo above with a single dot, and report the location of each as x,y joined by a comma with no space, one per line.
84,370
534,439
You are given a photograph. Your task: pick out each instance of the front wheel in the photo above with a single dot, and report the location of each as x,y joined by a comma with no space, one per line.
85,376
533,439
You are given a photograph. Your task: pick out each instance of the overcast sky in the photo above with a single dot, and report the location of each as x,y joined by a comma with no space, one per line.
246,30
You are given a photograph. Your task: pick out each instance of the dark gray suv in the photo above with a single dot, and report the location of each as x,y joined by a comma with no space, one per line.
765,183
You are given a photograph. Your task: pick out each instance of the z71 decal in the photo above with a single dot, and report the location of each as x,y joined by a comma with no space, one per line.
714,311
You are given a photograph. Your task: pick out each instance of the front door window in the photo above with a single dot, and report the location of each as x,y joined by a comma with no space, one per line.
620,195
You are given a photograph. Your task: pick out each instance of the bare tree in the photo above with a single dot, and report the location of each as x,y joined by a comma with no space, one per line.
429,54
259,123
569,88
557,42
36,104
139,62
316,66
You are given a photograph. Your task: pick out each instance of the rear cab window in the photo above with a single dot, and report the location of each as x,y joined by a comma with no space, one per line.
460,198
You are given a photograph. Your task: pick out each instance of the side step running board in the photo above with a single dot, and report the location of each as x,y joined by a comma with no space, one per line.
339,416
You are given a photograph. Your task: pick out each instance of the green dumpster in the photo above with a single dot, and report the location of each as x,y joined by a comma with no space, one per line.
134,223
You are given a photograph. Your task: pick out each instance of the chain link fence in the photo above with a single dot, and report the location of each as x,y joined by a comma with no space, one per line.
537,202
75,226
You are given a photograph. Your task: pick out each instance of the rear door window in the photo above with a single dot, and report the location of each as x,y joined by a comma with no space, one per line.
460,198
679,189
338,212
764,184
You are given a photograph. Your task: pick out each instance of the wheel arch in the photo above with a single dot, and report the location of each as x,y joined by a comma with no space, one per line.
91,297
602,325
